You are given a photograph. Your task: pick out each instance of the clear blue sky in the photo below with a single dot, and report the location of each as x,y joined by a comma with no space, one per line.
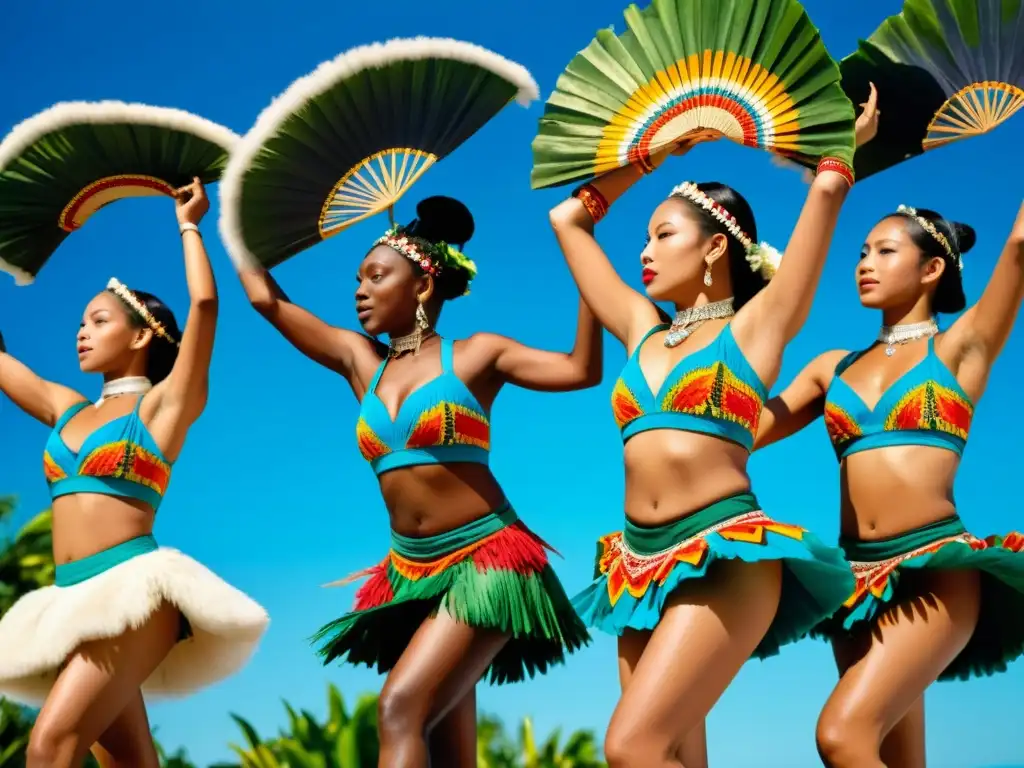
271,492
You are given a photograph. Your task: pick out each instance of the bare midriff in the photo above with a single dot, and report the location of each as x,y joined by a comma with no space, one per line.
671,474
890,491
87,523
430,499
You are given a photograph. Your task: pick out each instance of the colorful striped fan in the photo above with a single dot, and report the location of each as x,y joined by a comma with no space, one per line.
945,70
347,141
62,165
754,71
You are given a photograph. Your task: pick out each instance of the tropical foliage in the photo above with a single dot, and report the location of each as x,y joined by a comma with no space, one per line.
345,739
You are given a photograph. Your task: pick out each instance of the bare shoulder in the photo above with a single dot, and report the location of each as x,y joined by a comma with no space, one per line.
483,347
823,367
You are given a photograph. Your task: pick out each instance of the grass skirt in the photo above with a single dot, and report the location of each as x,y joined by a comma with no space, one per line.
638,568
106,594
881,565
492,573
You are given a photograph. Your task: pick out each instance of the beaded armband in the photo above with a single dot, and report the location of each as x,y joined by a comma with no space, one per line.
593,201
838,166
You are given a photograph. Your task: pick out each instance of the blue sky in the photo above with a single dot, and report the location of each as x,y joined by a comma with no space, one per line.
271,492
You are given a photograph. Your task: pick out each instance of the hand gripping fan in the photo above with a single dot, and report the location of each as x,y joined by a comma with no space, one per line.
754,71
348,140
945,70
62,165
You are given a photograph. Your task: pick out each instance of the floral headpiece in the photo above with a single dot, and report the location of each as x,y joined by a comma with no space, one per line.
122,292
762,257
928,227
432,258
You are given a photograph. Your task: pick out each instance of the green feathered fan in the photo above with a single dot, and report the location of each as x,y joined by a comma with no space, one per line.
945,70
754,71
65,163
348,140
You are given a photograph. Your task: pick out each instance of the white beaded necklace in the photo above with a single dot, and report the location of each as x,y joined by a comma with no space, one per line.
126,385
895,335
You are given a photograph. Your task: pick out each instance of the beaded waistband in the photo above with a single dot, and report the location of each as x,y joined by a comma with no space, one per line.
650,540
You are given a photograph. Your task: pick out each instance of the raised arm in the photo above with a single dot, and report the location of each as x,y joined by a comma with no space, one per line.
42,400
987,325
800,403
785,302
618,307
545,371
332,347
185,389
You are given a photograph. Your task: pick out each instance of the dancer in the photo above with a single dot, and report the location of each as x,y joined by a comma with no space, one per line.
466,587
931,601
125,616
701,578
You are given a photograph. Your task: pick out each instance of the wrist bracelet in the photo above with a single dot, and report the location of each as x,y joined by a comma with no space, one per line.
836,165
188,226
593,201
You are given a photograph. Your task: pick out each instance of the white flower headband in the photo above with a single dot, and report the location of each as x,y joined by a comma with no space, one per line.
122,292
762,257
928,227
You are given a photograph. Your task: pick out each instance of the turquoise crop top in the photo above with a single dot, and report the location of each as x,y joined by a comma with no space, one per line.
924,406
119,458
441,422
713,391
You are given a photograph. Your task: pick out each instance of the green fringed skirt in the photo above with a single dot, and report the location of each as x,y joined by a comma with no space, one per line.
492,573
884,568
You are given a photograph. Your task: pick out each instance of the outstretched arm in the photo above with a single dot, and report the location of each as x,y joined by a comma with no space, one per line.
987,325
184,391
42,400
800,403
786,301
332,347
545,371
620,309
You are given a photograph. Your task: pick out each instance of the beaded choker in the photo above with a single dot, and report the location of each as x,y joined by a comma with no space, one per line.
896,335
126,385
690,319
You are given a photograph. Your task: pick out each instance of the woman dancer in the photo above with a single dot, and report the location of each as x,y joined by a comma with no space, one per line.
466,587
699,566
931,601
125,617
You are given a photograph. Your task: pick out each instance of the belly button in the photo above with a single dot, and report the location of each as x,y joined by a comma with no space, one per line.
871,526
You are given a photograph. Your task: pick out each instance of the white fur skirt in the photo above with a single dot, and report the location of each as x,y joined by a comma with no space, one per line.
45,627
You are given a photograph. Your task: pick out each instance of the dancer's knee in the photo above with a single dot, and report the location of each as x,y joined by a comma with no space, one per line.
51,745
632,747
843,744
401,712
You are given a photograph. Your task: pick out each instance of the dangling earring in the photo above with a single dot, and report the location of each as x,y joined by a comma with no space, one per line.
707,276
422,322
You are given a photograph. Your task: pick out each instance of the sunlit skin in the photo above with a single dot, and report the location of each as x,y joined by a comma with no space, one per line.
659,721
875,716
432,687
96,701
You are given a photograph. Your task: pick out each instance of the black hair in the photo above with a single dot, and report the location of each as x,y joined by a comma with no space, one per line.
949,294
162,353
746,282
444,220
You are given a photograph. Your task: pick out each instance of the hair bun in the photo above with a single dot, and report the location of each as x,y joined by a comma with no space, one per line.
965,236
443,218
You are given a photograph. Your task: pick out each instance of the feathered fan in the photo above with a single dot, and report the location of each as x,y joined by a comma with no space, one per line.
347,141
754,71
62,165
945,70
